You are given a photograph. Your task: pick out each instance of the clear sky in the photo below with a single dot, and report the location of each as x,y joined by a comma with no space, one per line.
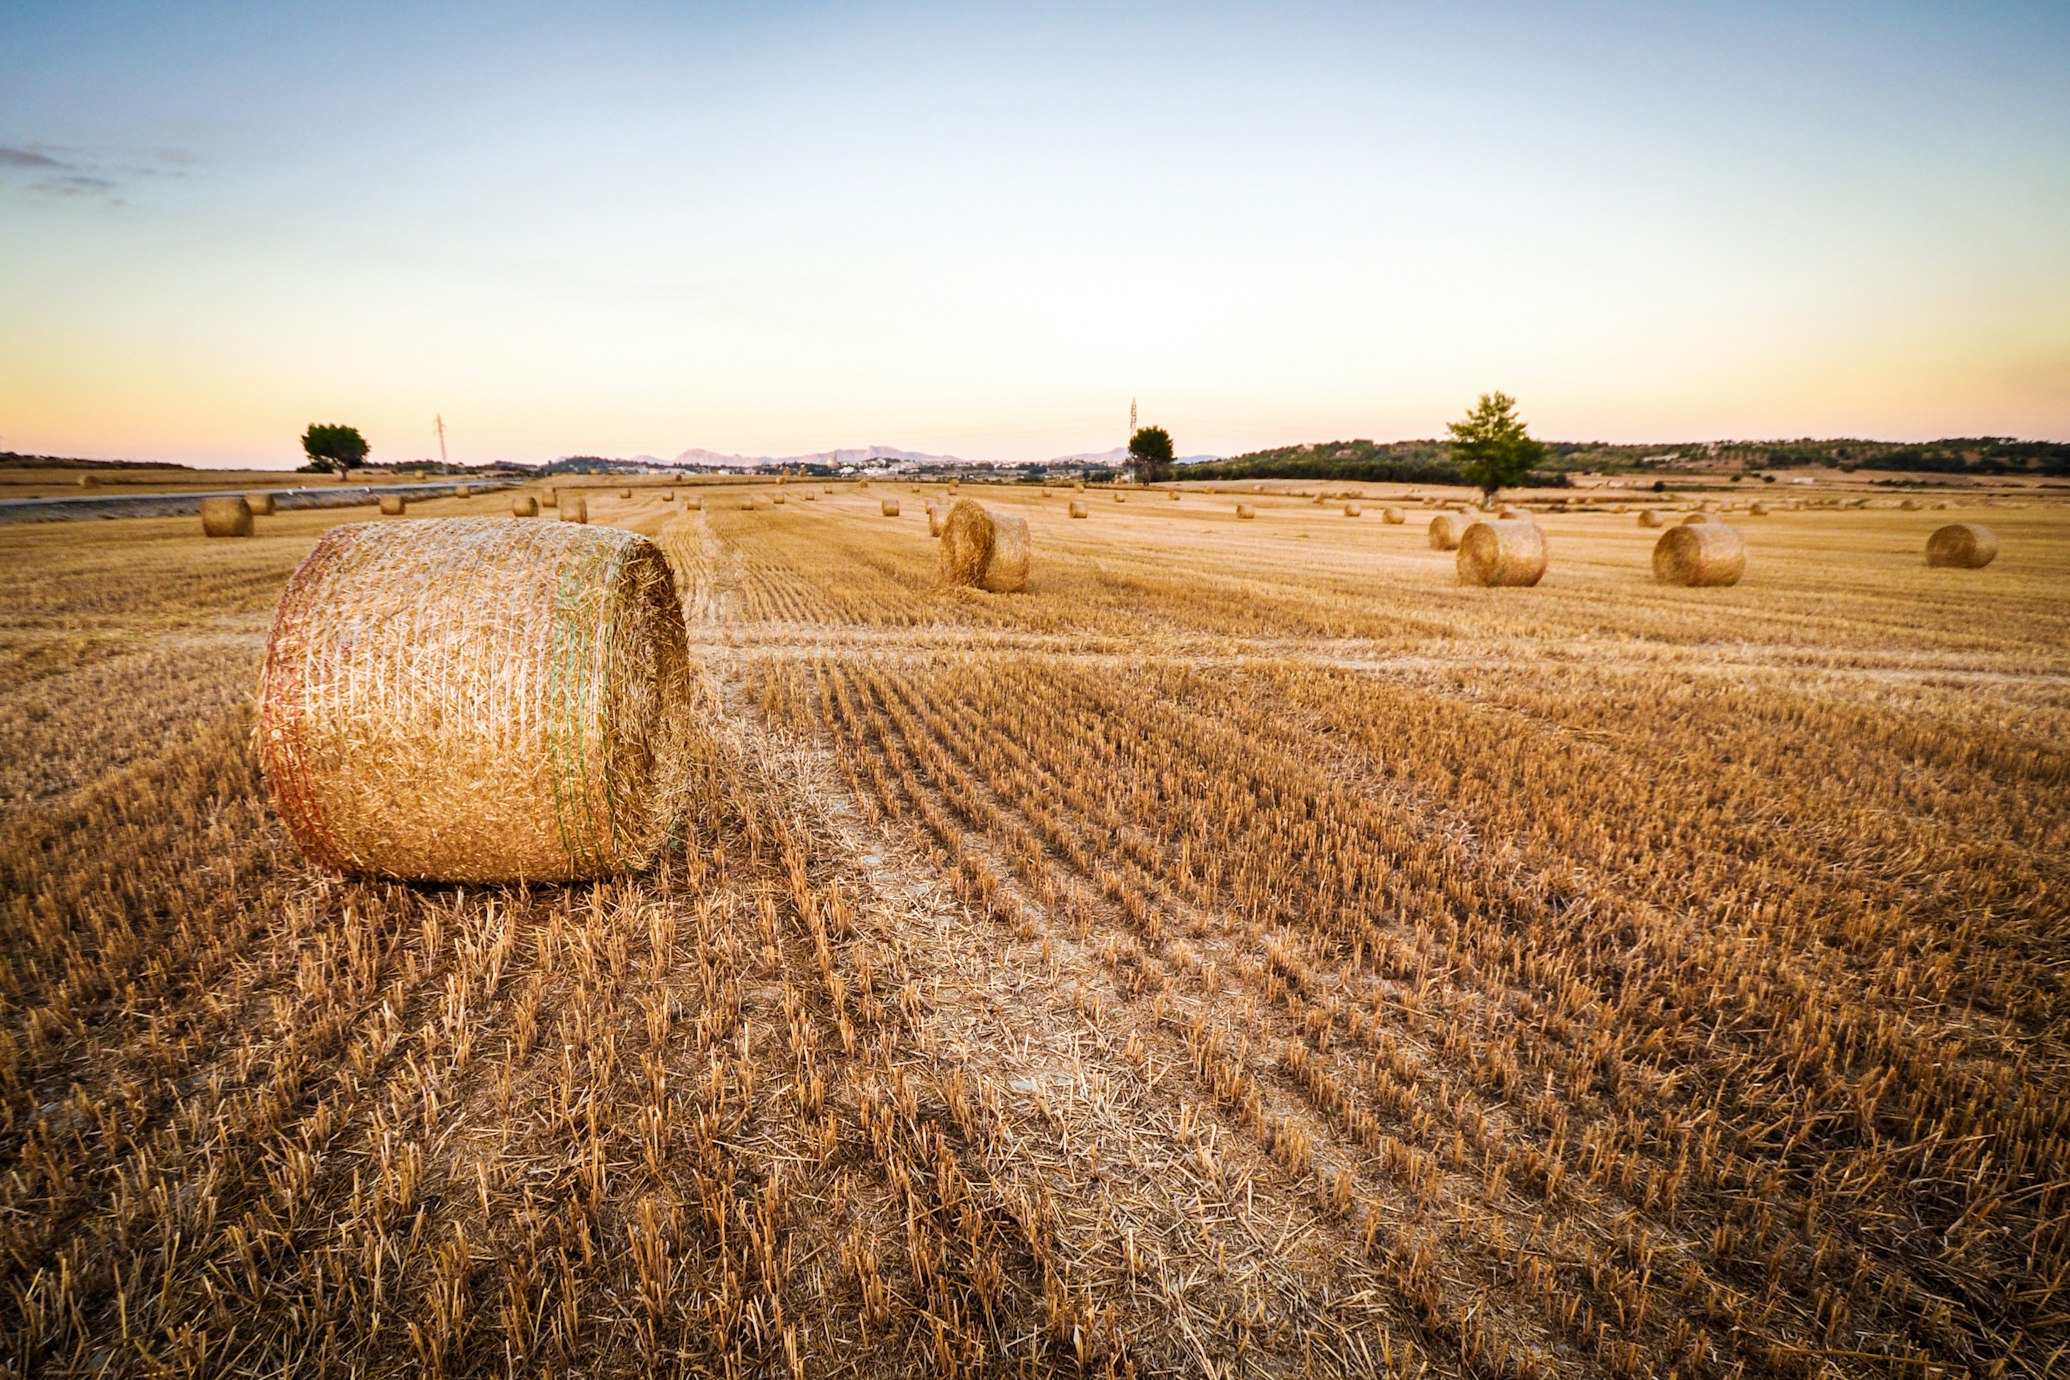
775,228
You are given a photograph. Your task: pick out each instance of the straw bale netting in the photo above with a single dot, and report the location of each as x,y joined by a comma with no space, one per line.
392,505
984,548
462,491
1502,551
1446,529
225,517
1393,517
524,505
1352,510
1651,517
1245,511
1079,510
1963,545
260,502
472,700
890,507
1700,553
575,510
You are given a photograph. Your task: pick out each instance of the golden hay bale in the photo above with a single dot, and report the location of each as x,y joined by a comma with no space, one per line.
862,483
1502,551
890,507
668,495
625,493
1697,519
826,488
1079,509
1700,553
1910,505
694,503
1446,529
1393,517
392,505
983,548
575,510
1078,486
1118,498
225,517
748,504
779,498
550,498
1508,514
1757,510
462,491
472,700
1244,510
88,481
260,502
934,521
524,505
1173,495
1651,517
1352,510
1963,546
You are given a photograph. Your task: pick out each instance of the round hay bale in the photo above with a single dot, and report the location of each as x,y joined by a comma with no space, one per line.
88,481
1651,517
1446,529
625,493
890,507
1962,546
1910,505
575,510
226,517
1173,495
668,495
1078,486
260,502
1245,511
694,504
1508,514
1504,551
1697,519
986,549
1757,510
826,488
392,505
1393,517
779,498
524,505
748,504
1352,510
472,700
549,498
934,521
1700,553
463,491
862,483
1079,509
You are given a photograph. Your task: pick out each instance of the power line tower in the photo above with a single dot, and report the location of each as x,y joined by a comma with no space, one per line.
440,421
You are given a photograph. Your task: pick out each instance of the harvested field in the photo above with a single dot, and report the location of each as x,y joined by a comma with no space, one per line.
1248,951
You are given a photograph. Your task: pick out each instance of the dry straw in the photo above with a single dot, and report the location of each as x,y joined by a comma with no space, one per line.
934,521
392,505
261,503
226,517
1352,510
1910,505
462,491
524,505
889,507
550,498
467,699
779,498
575,510
625,493
668,495
1700,553
1173,495
1245,511
1651,517
1757,510
1962,545
1446,529
1697,519
694,503
983,548
1079,509
1118,498
1393,517
1503,551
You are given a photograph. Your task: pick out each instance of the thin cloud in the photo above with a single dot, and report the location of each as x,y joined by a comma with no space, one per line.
26,158
88,174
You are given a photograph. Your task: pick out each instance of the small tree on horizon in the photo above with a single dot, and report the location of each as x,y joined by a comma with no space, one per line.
1150,454
1492,447
333,447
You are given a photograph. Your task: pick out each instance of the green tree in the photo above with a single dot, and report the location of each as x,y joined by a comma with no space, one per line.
1491,446
333,447
1150,454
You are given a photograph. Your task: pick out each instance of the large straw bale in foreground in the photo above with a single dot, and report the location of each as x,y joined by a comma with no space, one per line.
260,502
225,517
1446,529
1502,551
469,699
984,548
1963,545
392,505
1700,553
524,505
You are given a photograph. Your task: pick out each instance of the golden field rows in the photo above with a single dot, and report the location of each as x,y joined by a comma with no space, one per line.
1248,952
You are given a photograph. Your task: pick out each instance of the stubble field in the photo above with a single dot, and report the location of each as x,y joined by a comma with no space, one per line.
1246,953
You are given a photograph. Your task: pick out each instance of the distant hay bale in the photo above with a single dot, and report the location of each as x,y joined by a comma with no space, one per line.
862,483
625,493
694,503
1173,495
807,498
1393,517
984,548
1446,529
668,495
88,481
463,491
1429,502
1079,509
392,505
1078,486
1245,511
748,504
826,488
1910,505
1700,553
890,507
1697,519
260,502
1757,510
550,498
472,700
1504,551
1352,510
934,521
1508,514
1962,546
225,517
575,510
1652,517
779,498
524,505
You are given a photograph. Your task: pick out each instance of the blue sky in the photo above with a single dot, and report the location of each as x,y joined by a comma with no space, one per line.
773,229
